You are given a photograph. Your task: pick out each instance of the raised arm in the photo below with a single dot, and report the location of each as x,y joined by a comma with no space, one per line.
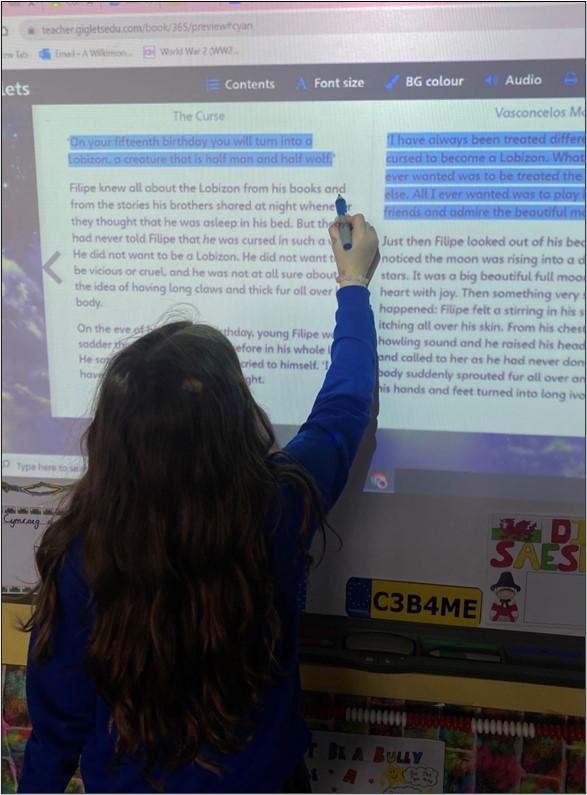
327,442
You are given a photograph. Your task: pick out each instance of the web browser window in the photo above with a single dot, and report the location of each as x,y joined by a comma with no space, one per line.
158,155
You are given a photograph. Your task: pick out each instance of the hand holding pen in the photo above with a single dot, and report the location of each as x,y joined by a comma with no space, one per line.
356,265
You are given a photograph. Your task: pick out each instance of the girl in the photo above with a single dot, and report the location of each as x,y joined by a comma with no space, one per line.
164,650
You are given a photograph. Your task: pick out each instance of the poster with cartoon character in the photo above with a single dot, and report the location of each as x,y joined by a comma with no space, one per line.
535,572
358,763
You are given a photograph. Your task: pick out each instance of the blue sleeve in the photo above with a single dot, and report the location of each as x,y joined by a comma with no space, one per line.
327,442
61,701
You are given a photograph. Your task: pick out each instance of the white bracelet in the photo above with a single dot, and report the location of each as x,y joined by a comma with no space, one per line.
353,280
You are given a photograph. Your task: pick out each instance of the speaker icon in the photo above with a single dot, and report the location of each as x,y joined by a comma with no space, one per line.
492,80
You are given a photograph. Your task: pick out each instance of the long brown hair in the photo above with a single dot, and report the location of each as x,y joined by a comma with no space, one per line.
172,512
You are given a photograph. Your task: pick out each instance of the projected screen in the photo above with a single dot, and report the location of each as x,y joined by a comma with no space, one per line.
150,165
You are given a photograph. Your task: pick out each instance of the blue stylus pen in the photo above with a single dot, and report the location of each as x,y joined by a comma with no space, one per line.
344,227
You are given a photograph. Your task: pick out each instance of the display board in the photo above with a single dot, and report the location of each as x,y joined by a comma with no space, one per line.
167,159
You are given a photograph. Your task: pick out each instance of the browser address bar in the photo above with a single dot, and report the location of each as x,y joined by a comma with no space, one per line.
59,30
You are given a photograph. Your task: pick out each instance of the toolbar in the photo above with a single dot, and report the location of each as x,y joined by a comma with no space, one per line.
102,8
317,82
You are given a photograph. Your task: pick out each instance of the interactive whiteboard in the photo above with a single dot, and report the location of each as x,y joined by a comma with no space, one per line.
163,158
